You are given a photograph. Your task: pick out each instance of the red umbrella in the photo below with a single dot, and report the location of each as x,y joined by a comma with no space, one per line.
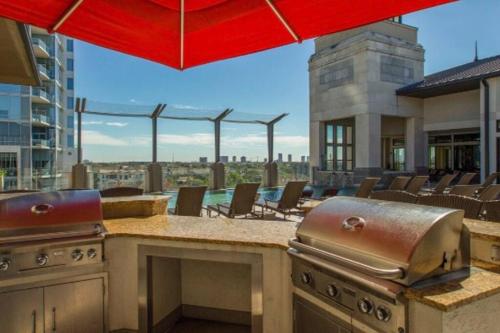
186,33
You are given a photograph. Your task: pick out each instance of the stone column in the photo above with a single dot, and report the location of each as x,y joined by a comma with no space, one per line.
489,90
217,178
154,178
416,144
79,177
367,146
270,174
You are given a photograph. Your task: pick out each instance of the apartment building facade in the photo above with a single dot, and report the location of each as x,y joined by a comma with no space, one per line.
374,113
37,123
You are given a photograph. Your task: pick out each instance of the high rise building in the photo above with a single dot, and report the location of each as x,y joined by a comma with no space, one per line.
234,159
243,159
203,160
289,158
224,159
280,157
303,159
37,123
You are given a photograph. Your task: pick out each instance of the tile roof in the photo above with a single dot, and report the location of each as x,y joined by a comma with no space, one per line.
473,71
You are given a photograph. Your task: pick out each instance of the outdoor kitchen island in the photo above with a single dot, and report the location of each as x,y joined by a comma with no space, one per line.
239,271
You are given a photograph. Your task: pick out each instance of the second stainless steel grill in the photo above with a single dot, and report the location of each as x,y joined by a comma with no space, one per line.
355,257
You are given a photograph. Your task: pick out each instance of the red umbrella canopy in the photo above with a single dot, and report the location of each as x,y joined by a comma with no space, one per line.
186,33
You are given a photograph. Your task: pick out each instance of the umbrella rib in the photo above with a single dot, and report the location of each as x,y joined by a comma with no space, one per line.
182,35
60,21
283,21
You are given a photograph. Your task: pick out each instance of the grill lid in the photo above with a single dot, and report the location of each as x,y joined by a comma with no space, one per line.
396,241
49,215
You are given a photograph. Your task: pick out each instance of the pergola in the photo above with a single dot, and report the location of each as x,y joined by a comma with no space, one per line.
161,111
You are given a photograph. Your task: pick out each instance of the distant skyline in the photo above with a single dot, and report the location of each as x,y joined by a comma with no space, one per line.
269,82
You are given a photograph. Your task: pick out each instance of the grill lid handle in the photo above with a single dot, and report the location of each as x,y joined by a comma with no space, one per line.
42,209
353,223
382,273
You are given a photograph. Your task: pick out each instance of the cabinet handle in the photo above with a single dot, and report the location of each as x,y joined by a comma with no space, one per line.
53,319
33,318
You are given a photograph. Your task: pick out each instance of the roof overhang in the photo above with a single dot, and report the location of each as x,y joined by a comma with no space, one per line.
17,61
445,89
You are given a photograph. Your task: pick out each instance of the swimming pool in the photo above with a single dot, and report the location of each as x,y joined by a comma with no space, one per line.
268,193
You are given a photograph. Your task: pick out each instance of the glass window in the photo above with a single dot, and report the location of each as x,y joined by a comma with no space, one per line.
70,122
69,64
339,145
70,83
70,103
69,45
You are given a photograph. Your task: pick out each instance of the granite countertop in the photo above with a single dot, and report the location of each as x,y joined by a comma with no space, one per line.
137,205
206,230
484,229
484,281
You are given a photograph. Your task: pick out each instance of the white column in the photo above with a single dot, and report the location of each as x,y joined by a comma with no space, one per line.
415,145
368,141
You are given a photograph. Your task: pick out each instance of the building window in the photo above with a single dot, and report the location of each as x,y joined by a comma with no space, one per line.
459,152
70,103
498,126
70,64
70,122
71,141
339,144
69,45
70,83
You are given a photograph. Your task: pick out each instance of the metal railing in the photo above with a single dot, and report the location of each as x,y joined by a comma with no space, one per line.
40,118
43,70
42,94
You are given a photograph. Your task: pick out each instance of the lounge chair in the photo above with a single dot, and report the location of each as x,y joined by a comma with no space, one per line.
416,184
491,179
466,178
121,192
396,196
366,187
399,183
492,192
289,199
470,206
443,183
490,211
465,190
189,201
241,204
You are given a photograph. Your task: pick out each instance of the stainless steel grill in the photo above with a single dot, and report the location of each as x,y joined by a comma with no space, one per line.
39,231
359,255
51,255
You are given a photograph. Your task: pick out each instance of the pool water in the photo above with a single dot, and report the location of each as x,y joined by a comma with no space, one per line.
267,193
220,196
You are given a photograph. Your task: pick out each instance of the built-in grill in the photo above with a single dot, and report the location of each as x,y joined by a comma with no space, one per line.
353,258
49,232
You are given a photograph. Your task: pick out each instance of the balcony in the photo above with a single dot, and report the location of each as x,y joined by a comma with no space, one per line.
40,48
44,73
41,143
40,96
39,31
40,120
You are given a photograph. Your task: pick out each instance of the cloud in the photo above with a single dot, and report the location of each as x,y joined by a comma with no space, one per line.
132,100
116,124
97,138
92,122
203,139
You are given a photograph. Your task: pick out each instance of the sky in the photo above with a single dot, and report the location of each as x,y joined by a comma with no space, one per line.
269,82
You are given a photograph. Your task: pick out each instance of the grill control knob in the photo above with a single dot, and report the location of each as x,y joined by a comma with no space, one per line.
4,264
91,253
365,305
332,291
306,278
383,314
77,255
42,259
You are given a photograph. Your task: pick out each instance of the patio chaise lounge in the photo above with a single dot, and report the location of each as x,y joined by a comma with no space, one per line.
288,201
470,206
443,183
416,183
189,201
399,183
396,196
241,204
366,187
466,178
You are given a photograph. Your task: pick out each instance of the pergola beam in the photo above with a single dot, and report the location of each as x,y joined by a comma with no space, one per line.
217,122
67,13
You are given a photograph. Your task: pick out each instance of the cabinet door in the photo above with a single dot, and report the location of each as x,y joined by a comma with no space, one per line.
22,311
75,307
